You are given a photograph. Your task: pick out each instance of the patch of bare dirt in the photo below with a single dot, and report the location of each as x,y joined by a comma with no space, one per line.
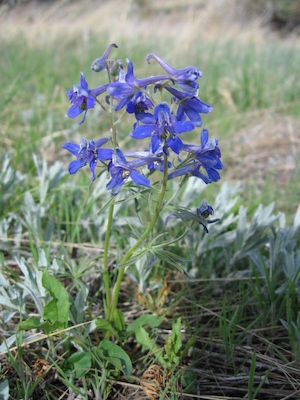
270,146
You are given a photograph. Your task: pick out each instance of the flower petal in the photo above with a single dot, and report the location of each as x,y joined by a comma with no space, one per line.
142,131
204,137
183,126
72,148
93,164
104,154
139,179
74,111
75,165
176,144
83,82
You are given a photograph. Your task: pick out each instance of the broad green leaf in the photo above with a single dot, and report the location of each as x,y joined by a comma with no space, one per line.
30,323
116,356
57,310
145,320
78,363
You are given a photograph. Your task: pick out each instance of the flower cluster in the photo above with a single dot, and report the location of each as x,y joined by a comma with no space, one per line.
159,125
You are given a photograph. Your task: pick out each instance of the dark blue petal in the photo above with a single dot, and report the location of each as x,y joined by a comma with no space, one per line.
213,174
83,119
130,107
74,111
155,143
120,156
204,137
90,102
93,164
104,154
122,103
146,118
176,144
142,131
72,148
120,89
75,165
183,126
130,78
139,179
101,142
83,82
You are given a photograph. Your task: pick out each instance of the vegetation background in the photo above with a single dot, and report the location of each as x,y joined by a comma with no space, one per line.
241,301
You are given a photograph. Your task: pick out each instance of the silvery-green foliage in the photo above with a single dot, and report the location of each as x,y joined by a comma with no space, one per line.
32,284
48,178
10,228
4,390
9,179
140,271
11,297
33,212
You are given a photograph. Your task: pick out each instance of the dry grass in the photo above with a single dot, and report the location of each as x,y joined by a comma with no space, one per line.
182,21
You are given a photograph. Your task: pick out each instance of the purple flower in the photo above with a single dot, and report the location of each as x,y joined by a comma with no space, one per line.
185,77
88,152
124,90
189,105
120,170
100,63
163,129
83,98
205,160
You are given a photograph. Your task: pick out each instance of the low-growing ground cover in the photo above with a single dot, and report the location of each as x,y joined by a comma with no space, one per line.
220,311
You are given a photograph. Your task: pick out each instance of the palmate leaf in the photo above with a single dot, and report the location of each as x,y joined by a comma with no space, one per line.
145,320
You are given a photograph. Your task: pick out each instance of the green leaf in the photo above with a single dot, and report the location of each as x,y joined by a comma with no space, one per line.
174,343
116,356
78,364
104,325
145,320
119,320
30,323
143,338
57,310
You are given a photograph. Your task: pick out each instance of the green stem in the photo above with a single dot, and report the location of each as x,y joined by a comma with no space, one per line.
129,253
105,259
110,217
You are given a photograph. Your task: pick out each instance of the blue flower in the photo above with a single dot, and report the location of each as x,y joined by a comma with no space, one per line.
100,63
120,170
163,129
185,77
125,90
190,106
204,161
139,104
88,152
83,98
203,212
200,216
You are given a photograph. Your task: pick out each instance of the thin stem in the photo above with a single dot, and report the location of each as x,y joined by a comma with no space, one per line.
129,253
110,218
105,257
